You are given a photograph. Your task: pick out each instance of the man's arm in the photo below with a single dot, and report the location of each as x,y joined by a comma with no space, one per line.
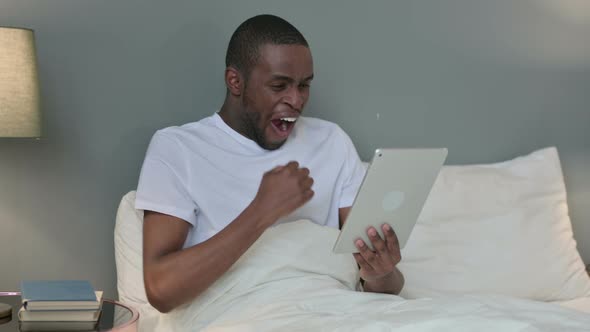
174,276
378,268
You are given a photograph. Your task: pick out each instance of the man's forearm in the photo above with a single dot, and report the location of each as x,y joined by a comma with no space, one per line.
390,284
179,277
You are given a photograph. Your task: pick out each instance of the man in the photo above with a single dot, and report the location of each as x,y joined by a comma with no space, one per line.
211,188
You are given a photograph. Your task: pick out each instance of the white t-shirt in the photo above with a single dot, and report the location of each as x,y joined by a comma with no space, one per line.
206,173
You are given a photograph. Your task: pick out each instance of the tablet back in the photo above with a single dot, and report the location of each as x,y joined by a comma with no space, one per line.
393,191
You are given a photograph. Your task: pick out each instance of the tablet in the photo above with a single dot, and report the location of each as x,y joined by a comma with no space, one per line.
393,191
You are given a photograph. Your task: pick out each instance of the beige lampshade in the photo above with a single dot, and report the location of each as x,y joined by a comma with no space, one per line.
20,114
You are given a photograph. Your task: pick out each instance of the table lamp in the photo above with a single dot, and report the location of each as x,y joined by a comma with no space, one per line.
20,115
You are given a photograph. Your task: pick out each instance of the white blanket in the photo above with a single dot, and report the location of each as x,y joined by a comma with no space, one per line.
290,280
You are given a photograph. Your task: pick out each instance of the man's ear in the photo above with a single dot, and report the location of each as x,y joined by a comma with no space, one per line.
234,81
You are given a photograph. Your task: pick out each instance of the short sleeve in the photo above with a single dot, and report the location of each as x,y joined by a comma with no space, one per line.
162,182
353,173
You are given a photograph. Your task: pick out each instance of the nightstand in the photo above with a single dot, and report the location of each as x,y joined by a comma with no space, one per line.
115,316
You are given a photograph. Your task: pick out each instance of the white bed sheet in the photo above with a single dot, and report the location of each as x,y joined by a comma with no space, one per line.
580,304
290,281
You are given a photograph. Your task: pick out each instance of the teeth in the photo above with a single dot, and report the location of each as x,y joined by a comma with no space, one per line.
289,119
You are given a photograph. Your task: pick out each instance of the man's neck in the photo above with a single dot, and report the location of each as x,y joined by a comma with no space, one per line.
228,114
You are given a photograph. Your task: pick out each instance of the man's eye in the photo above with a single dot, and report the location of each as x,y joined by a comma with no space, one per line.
304,85
278,87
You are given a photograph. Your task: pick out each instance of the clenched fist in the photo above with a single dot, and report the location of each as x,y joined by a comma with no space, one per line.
282,190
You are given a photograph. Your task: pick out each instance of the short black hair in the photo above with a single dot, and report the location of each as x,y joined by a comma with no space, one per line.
243,49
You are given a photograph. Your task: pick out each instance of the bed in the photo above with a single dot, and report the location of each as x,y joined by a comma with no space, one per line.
493,250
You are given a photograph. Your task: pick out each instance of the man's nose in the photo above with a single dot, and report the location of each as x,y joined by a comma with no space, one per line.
295,98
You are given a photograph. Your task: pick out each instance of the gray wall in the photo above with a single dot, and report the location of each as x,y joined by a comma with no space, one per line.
489,80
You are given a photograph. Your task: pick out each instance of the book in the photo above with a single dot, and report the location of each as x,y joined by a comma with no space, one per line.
57,326
58,295
25,315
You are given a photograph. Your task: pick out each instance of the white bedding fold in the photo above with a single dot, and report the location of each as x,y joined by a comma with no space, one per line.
290,280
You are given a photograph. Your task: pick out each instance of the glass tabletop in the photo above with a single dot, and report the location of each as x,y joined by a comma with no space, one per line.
115,316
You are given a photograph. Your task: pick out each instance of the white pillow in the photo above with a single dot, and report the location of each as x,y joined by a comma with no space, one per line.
128,251
497,228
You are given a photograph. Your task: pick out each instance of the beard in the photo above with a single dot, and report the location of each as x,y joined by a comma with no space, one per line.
251,126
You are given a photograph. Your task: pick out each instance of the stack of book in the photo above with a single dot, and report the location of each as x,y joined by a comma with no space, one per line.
59,301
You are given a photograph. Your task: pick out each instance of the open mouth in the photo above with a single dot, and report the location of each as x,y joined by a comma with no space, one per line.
283,126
